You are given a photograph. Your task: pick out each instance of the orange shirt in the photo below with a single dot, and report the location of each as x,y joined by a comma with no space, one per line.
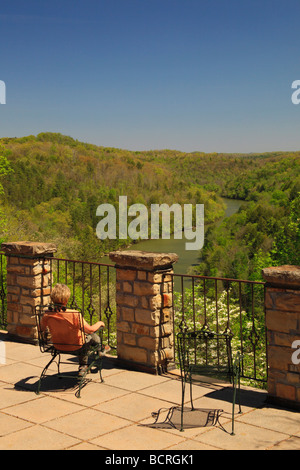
66,329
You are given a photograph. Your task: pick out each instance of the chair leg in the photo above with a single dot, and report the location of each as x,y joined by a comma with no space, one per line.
58,365
182,401
238,395
77,394
95,361
233,407
191,393
100,370
236,384
44,372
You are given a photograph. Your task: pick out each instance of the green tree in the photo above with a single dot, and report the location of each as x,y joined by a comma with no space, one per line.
286,249
5,169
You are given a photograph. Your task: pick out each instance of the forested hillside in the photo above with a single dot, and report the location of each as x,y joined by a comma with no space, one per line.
52,185
266,230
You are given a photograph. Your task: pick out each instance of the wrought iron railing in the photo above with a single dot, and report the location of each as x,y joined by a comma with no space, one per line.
199,302
219,305
3,304
92,288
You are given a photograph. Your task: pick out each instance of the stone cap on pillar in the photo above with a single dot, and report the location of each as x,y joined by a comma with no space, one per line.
287,276
30,249
143,260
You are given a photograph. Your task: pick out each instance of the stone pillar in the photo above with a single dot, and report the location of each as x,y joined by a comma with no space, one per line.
144,299
282,303
28,285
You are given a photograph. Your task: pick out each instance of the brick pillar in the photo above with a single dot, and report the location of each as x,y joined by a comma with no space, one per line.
282,303
28,285
144,309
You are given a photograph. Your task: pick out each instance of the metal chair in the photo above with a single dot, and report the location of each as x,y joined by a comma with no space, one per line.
46,346
203,354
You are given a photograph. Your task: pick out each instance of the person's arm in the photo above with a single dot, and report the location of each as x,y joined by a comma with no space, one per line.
92,328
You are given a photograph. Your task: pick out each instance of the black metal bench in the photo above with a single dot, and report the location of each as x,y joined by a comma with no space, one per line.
202,354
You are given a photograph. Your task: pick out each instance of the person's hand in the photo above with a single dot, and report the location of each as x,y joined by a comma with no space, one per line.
93,328
100,324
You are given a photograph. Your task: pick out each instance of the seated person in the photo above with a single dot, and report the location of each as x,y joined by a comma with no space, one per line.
68,329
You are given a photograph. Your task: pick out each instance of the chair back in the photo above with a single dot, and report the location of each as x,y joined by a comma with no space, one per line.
205,353
64,330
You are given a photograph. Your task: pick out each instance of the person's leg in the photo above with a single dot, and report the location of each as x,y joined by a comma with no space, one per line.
91,341
94,340
83,357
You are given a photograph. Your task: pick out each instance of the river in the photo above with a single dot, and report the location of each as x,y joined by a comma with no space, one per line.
187,258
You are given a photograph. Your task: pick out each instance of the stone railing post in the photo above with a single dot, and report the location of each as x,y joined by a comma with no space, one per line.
144,299
28,285
282,304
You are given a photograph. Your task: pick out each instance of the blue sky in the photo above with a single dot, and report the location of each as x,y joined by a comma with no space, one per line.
191,75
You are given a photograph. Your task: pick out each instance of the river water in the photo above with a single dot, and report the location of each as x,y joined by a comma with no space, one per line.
187,258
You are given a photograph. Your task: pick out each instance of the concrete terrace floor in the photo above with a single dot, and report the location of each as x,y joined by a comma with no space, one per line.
117,414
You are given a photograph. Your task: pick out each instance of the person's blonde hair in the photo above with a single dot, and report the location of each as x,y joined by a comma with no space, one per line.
60,294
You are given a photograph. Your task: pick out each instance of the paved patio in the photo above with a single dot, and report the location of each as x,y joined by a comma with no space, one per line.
117,414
